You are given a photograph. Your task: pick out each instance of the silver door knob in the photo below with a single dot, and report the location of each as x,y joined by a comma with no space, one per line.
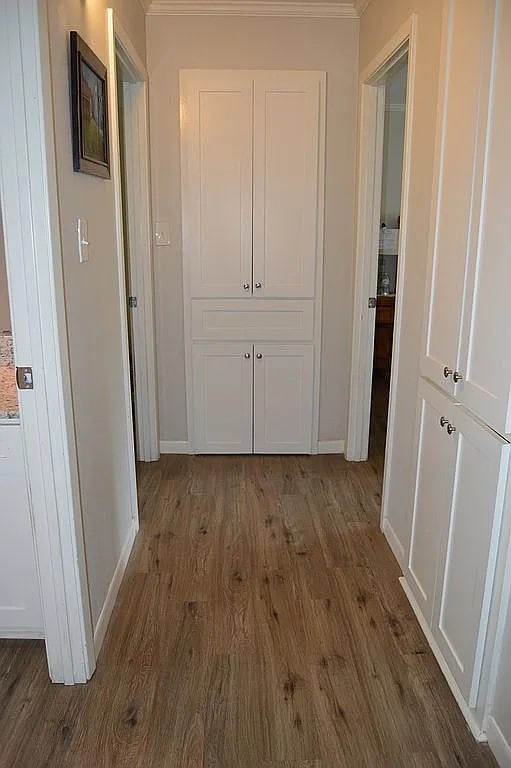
447,372
258,285
246,286
450,429
259,356
457,376
443,421
247,355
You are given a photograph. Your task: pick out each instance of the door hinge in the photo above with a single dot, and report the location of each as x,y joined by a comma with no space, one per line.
24,378
132,302
371,302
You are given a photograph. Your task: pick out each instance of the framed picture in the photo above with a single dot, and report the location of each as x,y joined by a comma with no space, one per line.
89,110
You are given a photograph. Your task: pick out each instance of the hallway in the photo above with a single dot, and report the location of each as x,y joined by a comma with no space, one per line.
260,624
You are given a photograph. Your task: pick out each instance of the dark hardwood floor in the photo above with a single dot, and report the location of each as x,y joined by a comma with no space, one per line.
260,624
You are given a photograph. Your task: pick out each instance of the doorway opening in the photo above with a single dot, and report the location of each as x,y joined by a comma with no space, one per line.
130,132
395,84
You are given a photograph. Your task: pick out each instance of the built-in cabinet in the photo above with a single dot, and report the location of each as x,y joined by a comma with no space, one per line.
460,510
252,146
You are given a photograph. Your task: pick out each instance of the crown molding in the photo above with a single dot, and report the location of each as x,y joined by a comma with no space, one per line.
300,9
395,107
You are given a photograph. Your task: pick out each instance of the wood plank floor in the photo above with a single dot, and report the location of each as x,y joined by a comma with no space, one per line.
260,624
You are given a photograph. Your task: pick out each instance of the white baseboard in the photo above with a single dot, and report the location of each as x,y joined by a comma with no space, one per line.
498,744
113,589
21,634
174,446
477,731
331,446
393,542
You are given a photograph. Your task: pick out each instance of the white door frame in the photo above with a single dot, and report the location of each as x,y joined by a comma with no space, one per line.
370,157
136,134
34,263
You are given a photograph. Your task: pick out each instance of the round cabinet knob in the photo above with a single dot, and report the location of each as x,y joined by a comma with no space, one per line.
258,285
450,429
247,355
443,421
457,376
447,372
259,356
246,286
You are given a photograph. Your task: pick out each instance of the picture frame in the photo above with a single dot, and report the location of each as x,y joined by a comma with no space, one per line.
89,110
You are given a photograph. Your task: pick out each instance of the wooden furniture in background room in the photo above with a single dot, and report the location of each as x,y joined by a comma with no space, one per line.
383,332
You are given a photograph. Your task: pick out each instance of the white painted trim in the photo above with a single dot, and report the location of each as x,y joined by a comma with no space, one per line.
498,744
113,589
136,132
330,446
467,713
34,261
22,634
272,8
175,446
394,543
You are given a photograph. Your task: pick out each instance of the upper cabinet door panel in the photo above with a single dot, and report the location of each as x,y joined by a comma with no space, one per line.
216,140
485,361
461,139
287,174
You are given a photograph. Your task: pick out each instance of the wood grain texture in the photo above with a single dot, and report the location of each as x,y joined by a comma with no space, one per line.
260,624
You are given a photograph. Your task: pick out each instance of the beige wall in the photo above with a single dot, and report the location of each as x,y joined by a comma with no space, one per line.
5,318
252,43
395,98
379,23
92,303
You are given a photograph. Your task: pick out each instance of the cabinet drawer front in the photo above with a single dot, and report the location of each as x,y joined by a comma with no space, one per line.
252,320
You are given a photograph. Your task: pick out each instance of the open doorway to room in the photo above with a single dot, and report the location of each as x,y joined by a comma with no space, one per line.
388,250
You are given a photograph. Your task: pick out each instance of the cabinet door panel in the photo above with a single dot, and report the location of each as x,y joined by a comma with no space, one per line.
469,549
461,151
486,333
216,135
222,390
433,489
283,377
286,177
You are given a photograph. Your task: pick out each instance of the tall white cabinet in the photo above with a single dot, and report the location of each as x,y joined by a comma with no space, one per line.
460,512
252,151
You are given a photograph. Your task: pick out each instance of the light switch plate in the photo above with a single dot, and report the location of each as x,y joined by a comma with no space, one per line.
83,240
161,233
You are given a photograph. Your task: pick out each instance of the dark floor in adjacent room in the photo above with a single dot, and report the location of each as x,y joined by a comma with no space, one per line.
260,624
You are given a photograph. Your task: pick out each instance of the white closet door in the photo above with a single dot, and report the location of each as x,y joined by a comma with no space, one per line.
20,600
467,561
463,119
286,177
433,490
222,392
283,384
485,360
216,153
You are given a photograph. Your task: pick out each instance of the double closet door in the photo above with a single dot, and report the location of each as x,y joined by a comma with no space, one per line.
252,154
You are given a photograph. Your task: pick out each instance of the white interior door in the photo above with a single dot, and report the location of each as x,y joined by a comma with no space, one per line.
460,151
286,179
486,366
216,154
283,387
470,548
433,490
222,394
20,600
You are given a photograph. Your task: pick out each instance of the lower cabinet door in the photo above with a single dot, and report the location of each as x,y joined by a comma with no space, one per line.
469,548
222,393
283,398
433,490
